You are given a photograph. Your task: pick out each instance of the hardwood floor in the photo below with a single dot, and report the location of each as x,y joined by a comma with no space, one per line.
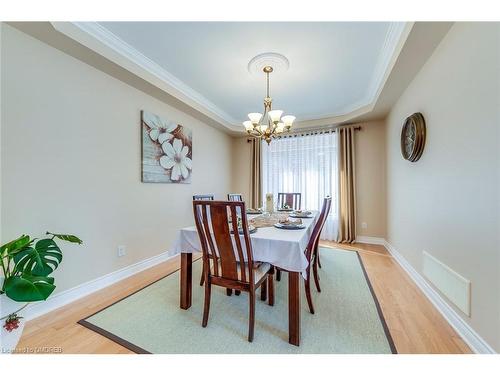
59,328
415,325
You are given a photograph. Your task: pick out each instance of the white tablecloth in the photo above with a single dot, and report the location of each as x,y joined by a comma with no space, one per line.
283,248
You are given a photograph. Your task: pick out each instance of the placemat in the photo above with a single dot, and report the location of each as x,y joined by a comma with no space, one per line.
268,220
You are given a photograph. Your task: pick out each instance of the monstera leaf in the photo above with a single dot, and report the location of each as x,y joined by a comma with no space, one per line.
67,237
29,288
13,247
40,260
33,261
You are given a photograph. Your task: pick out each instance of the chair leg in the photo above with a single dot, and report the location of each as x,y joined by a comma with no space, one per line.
317,258
270,289
206,306
251,318
308,295
316,276
202,280
229,292
278,275
263,291
316,263
237,292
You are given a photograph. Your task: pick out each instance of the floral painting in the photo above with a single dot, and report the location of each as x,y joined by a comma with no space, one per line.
167,150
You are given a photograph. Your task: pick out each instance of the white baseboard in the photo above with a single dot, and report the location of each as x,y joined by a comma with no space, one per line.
471,337
59,300
466,332
370,240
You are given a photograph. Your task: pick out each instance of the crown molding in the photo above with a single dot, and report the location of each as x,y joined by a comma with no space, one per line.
98,38
394,41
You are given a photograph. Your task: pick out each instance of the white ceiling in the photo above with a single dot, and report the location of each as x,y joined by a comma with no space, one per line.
337,69
332,65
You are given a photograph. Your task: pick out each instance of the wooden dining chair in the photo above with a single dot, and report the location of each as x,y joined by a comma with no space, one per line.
202,197
230,197
293,200
311,253
232,256
315,257
235,197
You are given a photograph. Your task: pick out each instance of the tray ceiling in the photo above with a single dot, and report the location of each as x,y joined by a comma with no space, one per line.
337,69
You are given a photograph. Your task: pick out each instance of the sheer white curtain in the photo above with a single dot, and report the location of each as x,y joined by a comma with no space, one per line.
304,164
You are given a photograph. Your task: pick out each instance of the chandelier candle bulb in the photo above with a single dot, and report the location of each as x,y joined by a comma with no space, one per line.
248,125
275,115
288,120
255,117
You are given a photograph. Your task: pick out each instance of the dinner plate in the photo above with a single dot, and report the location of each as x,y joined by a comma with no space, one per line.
254,212
301,216
285,209
251,229
291,227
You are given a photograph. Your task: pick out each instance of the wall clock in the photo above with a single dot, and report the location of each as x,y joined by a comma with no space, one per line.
413,137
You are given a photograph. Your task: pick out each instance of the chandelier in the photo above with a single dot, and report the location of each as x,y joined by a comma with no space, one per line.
270,124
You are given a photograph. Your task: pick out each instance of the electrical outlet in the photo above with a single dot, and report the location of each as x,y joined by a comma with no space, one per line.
364,225
122,250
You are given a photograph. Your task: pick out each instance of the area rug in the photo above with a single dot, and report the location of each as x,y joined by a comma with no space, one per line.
348,318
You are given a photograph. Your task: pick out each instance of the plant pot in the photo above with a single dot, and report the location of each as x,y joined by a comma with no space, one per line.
9,340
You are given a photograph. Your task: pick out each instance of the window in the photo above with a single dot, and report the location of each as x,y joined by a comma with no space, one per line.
304,164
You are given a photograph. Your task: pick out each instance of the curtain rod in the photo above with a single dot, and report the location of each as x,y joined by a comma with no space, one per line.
313,132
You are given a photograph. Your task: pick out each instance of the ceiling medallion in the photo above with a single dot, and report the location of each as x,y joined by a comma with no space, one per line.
279,63
270,124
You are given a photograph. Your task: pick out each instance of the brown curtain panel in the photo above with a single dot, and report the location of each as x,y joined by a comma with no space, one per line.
347,185
255,173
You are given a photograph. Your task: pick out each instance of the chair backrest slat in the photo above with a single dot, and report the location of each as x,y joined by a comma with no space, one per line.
224,242
211,250
218,243
248,246
203,232
241,257
203,197
293,200
235,197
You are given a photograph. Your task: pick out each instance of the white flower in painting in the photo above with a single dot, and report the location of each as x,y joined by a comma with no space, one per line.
175,158
160,130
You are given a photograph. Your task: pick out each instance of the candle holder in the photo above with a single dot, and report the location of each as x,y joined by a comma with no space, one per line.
269,203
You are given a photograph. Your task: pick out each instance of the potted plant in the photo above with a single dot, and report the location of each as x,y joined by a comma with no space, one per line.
26,264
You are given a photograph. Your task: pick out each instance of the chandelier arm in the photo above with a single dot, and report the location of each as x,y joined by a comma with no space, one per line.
271,128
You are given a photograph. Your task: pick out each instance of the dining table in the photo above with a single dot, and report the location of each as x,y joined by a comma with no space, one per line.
283,248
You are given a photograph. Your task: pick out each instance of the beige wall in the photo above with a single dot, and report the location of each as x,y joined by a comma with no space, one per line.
370,176
448,202
241,168
71,161
371,179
